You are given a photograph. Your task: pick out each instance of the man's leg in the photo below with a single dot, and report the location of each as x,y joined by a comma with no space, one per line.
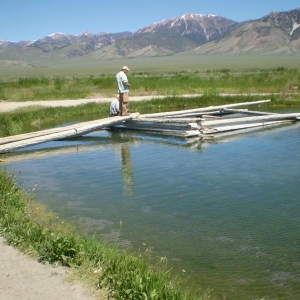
125,102
121,104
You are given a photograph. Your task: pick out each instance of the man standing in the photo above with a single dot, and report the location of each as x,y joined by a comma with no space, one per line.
123,90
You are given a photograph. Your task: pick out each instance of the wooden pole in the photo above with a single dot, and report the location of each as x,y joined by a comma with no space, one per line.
108,121
247,112
164,120
251,119
216,130
205,109
62,133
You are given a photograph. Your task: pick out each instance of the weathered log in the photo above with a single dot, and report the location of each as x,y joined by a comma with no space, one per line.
273,117
110,120
205,109
162,130
65,132
165,120
247,112
172,126
239,127
201,115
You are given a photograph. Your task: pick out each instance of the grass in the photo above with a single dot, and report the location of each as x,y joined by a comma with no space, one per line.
33,119
183,62
278,81
31,228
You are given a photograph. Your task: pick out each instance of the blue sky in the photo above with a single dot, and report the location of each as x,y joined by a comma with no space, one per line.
34,19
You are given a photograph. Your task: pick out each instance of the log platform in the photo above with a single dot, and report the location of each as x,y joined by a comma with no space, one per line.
208,122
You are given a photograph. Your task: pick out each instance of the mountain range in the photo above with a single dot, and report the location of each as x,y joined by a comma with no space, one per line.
198,34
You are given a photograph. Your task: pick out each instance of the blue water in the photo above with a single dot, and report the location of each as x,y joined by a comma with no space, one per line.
224,213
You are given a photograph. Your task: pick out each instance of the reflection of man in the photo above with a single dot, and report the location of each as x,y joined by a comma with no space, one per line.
123,90
127,175
115,107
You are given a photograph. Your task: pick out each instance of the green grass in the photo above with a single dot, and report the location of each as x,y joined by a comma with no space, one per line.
36,118
183,62
278,80
37,231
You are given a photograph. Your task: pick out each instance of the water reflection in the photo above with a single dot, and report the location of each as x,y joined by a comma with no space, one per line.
126,170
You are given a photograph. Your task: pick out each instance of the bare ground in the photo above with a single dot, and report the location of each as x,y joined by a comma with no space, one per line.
23,278
6,106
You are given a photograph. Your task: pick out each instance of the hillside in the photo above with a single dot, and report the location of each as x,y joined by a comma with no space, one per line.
277,33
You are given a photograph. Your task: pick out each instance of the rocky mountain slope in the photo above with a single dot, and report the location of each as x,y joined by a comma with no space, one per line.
276,33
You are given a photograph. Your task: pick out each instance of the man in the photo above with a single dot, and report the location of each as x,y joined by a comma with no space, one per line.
123,90
115,107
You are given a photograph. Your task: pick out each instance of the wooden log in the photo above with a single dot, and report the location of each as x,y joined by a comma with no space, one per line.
164,120
149,125
201,115
231,135
65,132
110,120
273,117
166,131
205,109
240,127
247,112
170,125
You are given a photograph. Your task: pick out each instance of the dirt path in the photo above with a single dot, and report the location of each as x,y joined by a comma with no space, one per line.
23,278
6,106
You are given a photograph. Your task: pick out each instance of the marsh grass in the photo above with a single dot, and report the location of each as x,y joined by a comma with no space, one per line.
40,233
278,80
37,118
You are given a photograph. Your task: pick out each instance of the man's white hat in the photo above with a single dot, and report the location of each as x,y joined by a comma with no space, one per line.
125,68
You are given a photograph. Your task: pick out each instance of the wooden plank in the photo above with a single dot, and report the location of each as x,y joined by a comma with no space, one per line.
247,112
205,109
110,120
273,117
231,135
162,130
201,115
65,132
171,126
164,120
239,127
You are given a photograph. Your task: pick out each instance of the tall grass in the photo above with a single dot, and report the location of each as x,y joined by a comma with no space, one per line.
279,80
36,118
31,228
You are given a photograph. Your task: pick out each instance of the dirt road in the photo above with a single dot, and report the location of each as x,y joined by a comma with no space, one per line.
6,106
23,278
